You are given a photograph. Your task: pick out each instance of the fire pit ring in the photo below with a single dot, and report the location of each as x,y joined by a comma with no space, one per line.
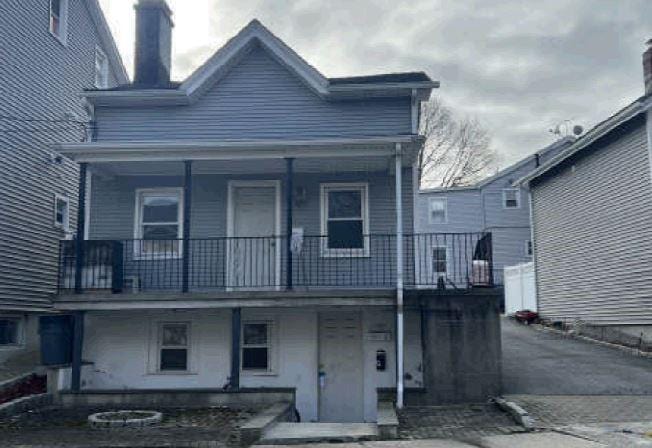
124,419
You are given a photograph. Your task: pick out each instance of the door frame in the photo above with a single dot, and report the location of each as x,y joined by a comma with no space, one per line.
230,218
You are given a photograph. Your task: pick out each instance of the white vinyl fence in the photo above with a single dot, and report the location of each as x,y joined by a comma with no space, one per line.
520,289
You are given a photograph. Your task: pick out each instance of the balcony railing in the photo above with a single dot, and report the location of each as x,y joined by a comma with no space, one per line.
438,261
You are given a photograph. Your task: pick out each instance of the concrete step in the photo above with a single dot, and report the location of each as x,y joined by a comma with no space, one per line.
298,433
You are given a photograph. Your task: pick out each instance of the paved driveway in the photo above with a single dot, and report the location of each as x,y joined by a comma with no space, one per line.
543,363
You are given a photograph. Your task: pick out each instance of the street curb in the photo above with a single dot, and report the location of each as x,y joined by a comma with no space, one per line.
630,350
519,414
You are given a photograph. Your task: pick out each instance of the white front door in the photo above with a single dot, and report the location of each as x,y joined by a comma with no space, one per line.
340,367
253,246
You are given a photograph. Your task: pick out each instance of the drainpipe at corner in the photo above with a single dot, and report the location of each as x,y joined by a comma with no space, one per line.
399,277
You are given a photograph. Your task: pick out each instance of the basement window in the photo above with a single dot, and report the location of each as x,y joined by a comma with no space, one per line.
10,328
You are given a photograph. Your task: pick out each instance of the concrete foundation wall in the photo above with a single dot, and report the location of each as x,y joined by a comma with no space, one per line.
462,349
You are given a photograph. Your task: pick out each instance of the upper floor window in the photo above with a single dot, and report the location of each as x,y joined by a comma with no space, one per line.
61,212
59,19
511,198
439,261
101,69
158,222
437,211
345,219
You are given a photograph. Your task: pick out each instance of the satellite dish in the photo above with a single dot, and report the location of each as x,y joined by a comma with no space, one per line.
577,130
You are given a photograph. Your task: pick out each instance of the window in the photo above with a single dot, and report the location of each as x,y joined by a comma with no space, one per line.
158,223
256,355
61,212
511,198
528,248
174,346
101,69
438,211
10,331
59,19
345,219
439,261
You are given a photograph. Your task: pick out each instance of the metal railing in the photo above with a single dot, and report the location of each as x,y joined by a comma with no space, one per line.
435,261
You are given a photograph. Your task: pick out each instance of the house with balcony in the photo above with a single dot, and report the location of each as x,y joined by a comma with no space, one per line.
252,227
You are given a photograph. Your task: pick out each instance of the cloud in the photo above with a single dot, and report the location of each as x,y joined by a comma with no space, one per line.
518,66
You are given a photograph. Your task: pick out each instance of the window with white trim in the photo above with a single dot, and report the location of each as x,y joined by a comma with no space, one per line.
528,248
10,331
158,222
174,347
511,198
101,69
59,19
61,212
345,219
437,211
439,261
256,347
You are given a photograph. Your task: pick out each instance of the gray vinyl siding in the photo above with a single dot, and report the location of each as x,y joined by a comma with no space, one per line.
42,79
257,99
593,233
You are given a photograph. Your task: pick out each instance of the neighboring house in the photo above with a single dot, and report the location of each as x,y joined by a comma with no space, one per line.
249,228
492,206
51,51
592,220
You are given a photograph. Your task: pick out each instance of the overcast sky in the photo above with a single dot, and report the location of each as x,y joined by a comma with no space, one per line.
519,67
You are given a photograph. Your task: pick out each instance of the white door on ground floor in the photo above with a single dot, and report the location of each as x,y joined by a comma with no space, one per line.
340,367
253,249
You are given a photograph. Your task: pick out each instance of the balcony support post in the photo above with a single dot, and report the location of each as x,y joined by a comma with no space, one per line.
289,174
187,208
81,222
77,350
398,178
236,323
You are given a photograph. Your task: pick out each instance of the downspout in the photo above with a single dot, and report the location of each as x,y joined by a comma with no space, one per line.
399,277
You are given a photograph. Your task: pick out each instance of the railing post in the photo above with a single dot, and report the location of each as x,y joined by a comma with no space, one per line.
117,265
187,198
234,381
399,275
79,238
77,350
289,174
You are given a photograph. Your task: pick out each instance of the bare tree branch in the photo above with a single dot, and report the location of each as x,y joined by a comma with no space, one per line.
456,151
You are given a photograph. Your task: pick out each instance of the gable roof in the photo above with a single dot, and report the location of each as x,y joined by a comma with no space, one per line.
108,43
556,146
256,34
585,142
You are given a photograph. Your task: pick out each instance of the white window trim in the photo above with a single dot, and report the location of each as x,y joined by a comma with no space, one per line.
272,347
445,201
65,226
62,37
432,262
138,224
158,344
518,198
345,253
104,68
20,336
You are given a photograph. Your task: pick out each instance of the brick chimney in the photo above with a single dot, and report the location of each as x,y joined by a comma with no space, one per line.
153,43
647,68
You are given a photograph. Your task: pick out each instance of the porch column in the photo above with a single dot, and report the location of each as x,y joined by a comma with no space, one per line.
81,223
399,276
77,349
187,207
289,174
236,322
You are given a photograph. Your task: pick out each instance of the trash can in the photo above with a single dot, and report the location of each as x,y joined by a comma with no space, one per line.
56,339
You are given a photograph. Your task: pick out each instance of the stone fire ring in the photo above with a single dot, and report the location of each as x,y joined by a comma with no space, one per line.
124,419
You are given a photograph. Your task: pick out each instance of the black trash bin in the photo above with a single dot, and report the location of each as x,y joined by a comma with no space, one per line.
56,339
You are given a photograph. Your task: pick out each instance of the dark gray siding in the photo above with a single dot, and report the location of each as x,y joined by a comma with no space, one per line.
257,99
593,234
39,78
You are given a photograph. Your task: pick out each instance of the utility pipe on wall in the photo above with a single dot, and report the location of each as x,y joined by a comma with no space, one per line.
399,276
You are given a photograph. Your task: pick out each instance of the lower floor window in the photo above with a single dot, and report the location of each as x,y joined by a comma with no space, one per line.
9,331
256,346
174,346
